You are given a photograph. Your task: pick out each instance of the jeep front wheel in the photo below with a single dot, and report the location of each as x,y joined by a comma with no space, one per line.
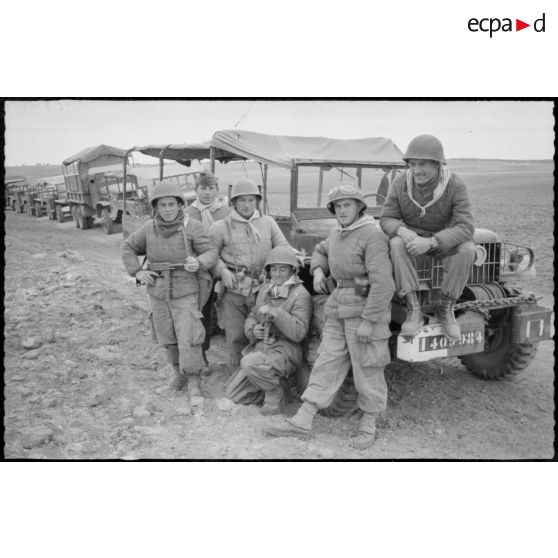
501,358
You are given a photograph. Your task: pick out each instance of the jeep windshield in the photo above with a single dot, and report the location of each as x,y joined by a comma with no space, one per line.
315,181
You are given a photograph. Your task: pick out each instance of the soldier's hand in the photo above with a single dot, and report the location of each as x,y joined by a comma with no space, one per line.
146,277
320,281
407,235
227,278
192,264
364,332
418,246
268,311
258,331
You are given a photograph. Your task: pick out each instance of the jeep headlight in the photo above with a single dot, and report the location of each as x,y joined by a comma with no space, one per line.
516,260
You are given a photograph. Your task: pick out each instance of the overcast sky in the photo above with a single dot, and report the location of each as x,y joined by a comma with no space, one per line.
50,131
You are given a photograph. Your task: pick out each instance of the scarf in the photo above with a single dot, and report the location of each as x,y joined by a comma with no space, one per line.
445,175
364,220
251,231
168,228
282,291
207,210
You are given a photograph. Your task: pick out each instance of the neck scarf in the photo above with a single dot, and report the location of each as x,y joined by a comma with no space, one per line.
364,220
168,228
282,291
443,178
251,231
207,210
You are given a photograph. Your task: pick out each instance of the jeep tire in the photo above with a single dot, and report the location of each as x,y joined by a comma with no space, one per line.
501,358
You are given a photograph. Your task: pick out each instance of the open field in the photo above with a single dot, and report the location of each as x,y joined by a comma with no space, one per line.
93,385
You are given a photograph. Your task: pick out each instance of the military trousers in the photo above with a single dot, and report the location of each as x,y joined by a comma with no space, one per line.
264,370
339,351
177,327
457,266
232,314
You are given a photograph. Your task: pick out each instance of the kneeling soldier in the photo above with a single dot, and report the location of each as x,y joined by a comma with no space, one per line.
276,326
358,312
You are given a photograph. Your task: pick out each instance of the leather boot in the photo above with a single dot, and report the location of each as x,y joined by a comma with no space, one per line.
444,314
413,322
194,387
365,436
272,402
179,380
299,426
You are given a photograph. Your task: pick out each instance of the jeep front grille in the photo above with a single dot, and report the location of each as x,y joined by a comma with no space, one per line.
486,268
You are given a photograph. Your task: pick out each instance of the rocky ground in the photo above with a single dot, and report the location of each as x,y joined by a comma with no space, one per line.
83,379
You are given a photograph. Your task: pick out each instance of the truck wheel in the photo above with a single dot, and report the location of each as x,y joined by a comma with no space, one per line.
75,215
60,214
38,210
501,358
108,225
83,221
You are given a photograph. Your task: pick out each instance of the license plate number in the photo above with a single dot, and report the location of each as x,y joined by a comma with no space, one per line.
437,342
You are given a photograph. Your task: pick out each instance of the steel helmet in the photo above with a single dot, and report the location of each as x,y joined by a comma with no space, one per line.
165,189
425,147
245,187
342,192
281,255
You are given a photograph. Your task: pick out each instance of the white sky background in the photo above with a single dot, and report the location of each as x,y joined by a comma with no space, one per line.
50,131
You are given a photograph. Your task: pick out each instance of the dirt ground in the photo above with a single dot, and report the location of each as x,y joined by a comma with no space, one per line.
83,379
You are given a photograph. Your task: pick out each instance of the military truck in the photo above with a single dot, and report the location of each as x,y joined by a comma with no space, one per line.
501,325
51,198
84,178
14,190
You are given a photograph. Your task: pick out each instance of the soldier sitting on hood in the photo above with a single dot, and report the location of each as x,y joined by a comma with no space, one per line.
276,326
428,211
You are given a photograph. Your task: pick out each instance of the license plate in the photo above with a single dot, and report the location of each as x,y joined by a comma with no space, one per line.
437,342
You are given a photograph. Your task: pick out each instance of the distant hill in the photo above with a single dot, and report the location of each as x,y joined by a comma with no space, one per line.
32,173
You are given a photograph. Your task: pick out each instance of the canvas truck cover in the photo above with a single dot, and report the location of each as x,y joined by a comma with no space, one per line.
184,153
289,151
91,153
151,172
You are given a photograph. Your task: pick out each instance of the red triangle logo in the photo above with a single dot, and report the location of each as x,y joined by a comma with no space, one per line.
519,25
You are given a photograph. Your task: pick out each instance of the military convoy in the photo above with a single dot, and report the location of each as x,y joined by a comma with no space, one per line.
501,325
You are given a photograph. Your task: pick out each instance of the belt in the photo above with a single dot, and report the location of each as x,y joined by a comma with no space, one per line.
348,283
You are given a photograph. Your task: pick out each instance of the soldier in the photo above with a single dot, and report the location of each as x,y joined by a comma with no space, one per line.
243,239
385,183
358,312
176,249
276,326
207,208
428,212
